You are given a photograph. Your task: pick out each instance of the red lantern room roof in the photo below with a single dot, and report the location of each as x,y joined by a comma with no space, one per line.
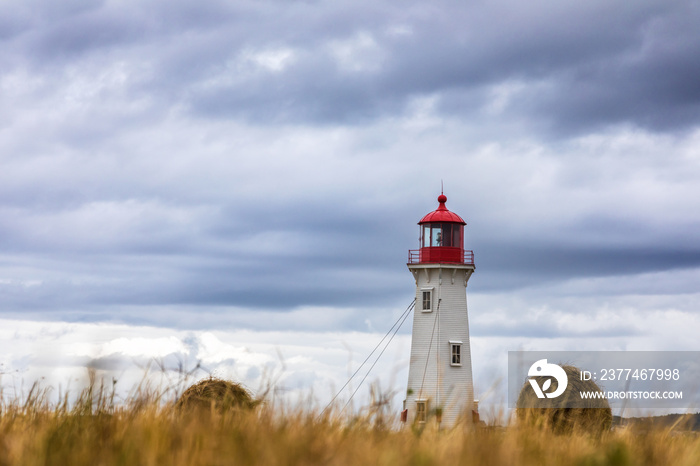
442,214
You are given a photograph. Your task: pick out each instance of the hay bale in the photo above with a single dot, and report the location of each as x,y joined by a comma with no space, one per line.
216,394
589,415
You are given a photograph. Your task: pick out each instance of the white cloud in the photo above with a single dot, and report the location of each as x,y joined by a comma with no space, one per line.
212,351
274,60
360,53
501,96
141,346
301,363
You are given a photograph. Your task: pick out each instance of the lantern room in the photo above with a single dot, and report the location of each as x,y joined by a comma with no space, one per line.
441,238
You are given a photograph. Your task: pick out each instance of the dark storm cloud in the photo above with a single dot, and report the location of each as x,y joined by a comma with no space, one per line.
574,67
262,259
518,266
590,66
313,255
276,155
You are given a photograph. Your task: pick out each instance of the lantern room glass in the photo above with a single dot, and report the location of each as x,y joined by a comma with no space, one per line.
441,234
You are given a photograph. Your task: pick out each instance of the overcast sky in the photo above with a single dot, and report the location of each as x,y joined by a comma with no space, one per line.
260,166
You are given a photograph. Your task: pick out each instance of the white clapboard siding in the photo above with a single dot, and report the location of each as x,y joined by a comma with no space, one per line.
431,376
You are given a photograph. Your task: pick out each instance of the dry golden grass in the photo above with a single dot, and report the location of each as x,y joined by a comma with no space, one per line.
146,430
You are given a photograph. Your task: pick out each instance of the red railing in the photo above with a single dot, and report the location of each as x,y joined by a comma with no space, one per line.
441,255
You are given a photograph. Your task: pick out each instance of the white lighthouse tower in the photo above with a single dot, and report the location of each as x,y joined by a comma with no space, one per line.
440,374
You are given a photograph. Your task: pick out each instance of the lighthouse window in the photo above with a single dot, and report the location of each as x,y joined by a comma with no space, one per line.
437,236
427,301
456,354
447,234
426,236
421,411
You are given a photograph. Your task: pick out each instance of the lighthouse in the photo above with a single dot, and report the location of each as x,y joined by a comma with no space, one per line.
440,384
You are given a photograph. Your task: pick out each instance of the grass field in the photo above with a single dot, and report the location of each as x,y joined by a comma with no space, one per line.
147,429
